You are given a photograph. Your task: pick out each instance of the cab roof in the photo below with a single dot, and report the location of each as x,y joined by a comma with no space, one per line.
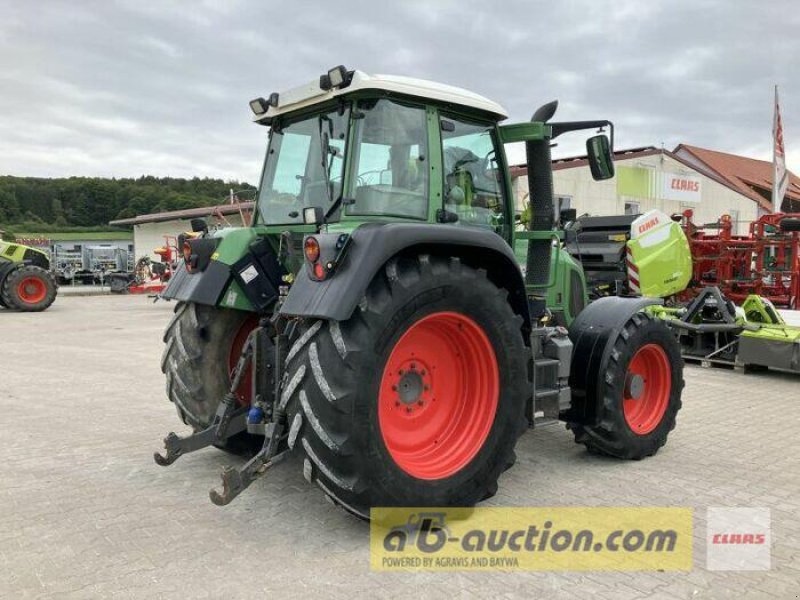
311,93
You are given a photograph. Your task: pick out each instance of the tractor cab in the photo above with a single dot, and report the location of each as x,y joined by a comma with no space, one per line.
383,147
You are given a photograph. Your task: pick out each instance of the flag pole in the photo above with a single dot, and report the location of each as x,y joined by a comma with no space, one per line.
780,176
775,185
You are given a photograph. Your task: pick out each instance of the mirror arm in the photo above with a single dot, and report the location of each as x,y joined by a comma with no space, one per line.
559,128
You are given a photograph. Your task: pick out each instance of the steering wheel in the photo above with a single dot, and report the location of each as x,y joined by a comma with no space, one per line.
361,180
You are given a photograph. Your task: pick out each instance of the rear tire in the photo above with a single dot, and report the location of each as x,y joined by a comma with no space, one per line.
29,289
340,386
636,428
196,363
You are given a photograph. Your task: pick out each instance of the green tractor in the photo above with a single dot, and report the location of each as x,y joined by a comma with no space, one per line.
385,318
26,283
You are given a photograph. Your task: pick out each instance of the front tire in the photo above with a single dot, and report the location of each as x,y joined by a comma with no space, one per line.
641,392
418,399
29,289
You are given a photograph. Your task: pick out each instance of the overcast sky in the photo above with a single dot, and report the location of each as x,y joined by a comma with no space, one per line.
136,87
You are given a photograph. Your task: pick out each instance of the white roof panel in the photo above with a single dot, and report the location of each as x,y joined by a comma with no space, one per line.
310,94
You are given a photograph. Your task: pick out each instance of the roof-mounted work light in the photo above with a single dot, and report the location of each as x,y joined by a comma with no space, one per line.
335,78
259,106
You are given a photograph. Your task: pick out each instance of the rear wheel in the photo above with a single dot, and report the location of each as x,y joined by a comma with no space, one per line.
641,392
29,289
202,345
418,399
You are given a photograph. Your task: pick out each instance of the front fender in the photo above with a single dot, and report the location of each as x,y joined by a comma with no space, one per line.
593,335
373,244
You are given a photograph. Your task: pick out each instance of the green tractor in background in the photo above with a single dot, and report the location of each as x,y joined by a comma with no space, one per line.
385,318
26,283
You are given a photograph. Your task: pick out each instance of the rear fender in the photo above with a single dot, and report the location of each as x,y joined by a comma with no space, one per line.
237,269
372,245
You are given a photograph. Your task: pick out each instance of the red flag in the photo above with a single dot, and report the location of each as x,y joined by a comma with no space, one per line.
780,178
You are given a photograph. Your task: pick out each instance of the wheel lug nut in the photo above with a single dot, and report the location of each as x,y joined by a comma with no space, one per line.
427,387
408,409
400,372
420,402
413,366
397,403
422,372
394,388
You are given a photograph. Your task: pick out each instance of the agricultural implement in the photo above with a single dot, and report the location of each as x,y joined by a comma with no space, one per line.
765,262
26,283
655,255
148,277
382,318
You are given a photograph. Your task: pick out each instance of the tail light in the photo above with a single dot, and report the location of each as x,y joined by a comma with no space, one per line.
187,256
319,271
311,249
323,253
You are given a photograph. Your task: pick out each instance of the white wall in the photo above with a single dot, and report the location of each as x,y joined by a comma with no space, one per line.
148,236
600,198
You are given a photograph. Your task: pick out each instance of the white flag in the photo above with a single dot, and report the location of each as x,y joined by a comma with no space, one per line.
780,178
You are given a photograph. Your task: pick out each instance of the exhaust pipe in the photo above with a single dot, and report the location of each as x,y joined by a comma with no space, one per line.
540,201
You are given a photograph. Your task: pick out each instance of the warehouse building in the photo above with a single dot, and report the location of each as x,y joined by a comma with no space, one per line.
710,183
150,231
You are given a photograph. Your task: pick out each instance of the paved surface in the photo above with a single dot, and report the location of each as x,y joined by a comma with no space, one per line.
84,511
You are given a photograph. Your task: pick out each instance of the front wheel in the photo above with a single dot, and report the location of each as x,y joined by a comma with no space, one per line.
641,392
418,399
29,289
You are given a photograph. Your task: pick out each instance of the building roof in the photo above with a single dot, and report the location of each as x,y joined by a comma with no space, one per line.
189,213
750,176
310,94
73,236
572,162
739,173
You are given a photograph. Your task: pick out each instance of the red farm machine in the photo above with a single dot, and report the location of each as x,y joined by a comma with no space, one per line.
765,262
148,277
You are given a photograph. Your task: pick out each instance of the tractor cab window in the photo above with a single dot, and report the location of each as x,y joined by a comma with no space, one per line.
473,187
304,158
390,172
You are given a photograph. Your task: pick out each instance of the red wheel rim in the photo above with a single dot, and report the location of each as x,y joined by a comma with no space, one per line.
438,395
32,290
648,384
245,390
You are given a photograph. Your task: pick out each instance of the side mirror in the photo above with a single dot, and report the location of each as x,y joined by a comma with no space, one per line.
199,225
601,162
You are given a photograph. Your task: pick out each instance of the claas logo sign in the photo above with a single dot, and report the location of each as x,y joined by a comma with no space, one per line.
649,224
684,185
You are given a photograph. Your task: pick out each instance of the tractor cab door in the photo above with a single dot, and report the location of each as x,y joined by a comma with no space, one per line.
473,186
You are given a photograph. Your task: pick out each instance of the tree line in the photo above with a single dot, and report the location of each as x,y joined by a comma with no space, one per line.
39,204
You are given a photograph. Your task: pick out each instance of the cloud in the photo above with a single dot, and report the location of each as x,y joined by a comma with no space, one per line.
132,87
